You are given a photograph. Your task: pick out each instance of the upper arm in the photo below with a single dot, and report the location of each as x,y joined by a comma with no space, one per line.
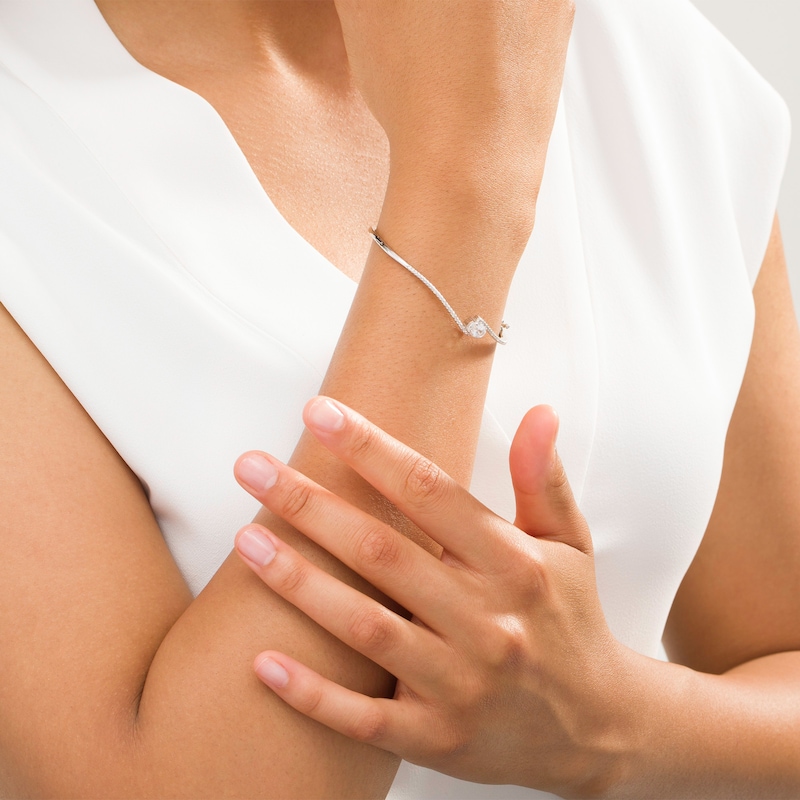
113,681
88,588
739,599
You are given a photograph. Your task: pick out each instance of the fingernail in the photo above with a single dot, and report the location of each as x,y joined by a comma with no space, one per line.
257,473
325,415
255,547
271,672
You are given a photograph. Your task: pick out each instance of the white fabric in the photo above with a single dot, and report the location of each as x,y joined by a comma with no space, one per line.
141,255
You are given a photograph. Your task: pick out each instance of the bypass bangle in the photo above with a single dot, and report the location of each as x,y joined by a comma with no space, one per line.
475,327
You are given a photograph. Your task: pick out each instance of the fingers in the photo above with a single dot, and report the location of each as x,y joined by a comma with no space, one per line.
404,649
388,560
546,507
376,721
429,497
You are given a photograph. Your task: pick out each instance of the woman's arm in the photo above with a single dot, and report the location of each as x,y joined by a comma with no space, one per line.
737,613
522,681
112,681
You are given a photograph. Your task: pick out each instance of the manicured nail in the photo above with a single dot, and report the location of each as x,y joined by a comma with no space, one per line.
325,415
255,547
271,672
257,473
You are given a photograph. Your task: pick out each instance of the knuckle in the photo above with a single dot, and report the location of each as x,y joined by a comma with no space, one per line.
536,576
425,483
362,440
450,741
558,479
526,574
507,645
573,526
471,693
310,701
534,588
376,547
559,493
368,728
513,649
371,630
291,577
296,499
464,688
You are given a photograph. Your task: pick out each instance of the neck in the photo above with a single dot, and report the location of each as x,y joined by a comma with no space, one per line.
300,37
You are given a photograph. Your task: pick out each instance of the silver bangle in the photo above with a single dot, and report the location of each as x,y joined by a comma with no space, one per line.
476,327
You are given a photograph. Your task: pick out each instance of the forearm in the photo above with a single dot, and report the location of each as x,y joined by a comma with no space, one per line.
715,736
205,724
401,361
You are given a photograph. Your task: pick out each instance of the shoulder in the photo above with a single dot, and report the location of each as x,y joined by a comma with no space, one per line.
669,108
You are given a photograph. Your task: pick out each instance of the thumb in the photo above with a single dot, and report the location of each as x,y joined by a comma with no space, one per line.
546,508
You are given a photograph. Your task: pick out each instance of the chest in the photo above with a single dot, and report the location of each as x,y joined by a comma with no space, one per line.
316,150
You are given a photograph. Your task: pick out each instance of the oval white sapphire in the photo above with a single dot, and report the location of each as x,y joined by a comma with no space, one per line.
476,328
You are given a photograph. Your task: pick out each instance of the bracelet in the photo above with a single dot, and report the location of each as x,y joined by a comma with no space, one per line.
476,327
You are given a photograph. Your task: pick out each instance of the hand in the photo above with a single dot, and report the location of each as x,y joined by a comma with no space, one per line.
461,82
507,672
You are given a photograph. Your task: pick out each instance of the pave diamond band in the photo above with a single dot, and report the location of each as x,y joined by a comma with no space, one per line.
476,328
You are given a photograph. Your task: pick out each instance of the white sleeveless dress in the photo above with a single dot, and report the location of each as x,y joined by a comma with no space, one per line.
141,255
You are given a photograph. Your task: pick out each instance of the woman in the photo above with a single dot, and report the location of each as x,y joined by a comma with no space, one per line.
186,317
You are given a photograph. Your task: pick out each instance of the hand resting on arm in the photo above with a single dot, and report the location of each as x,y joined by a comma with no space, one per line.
512,675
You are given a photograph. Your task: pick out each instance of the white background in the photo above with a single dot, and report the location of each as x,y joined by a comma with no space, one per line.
767,32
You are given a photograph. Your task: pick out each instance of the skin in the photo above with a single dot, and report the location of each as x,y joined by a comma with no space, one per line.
168,710
114,682
529,685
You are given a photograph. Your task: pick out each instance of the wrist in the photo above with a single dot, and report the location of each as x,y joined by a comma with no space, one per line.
607,748
494,160
486,191
456,230
651,700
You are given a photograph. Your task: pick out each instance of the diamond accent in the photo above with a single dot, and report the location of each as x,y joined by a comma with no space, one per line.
477,328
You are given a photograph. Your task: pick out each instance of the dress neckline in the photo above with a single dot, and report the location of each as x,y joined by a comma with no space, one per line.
228,141
171,156
168,151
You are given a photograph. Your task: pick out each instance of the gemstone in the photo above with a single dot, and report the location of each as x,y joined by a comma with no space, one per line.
476,328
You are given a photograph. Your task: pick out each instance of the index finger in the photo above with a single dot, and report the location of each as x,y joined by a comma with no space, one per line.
426,494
